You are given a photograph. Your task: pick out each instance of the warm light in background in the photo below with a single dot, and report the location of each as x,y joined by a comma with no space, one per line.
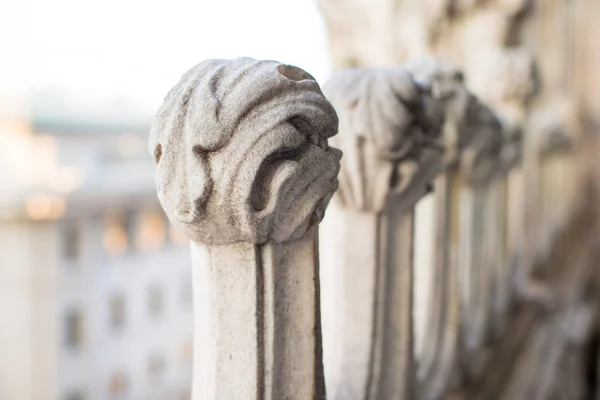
151,234
114,239
44,207
177,236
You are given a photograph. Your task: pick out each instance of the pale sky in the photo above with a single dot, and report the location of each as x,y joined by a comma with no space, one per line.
139,48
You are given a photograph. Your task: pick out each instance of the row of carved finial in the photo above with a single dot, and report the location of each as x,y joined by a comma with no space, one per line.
397,122
242,152
242,149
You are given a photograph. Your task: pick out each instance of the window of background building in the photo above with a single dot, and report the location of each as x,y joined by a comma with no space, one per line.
151,231
117,234
74,329
117,312
118,385
155,300
156,367
114,238
71,241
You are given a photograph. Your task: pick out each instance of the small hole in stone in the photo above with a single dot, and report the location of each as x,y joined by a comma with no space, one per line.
294,73
157,153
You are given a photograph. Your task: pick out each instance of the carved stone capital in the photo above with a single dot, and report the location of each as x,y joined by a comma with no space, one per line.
242,154
466,120
389,130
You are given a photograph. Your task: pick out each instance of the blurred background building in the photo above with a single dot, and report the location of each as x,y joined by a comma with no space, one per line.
95,286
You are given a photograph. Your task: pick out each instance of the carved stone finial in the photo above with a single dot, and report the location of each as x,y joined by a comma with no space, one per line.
388,130
242,154
471,131
466,120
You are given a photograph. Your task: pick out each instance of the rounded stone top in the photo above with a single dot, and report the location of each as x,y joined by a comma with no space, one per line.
399,126
466,120
242,154
389,135
473,135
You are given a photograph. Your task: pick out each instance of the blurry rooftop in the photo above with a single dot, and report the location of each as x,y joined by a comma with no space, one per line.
78,154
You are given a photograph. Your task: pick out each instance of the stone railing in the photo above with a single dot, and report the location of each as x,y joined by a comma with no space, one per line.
443,211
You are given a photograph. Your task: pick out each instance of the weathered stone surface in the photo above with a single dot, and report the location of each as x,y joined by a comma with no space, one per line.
473,139
257,330
518,55
397,129
242,154
470,130
244,169
390,130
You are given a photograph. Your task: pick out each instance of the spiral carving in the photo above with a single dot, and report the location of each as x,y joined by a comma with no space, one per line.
242,154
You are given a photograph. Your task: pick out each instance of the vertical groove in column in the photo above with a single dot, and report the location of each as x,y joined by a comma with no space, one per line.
263,297
319,377
407,282
393,372
378,304
243,166
436,370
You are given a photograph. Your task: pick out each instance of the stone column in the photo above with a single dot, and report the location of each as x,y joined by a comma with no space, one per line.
555,134
245,171
515,201
472,130
478,233
388,132
471,133
508,217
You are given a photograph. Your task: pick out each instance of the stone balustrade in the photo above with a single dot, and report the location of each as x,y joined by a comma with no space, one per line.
445,208
245,170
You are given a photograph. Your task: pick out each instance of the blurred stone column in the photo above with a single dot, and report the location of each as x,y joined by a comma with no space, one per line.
480,243
507,215
245,171
388,131
555,137
469,127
